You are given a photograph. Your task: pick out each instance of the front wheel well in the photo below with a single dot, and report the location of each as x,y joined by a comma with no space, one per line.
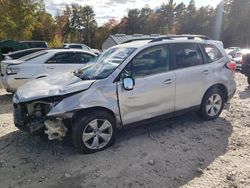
220,87
90,110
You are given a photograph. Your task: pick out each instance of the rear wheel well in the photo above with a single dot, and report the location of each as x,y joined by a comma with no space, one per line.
220,87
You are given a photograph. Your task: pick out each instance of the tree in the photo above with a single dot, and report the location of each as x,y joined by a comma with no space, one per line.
170,13
18,17
133,22
83,24
103,32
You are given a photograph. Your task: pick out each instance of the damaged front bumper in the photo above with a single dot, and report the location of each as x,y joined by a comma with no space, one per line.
32,118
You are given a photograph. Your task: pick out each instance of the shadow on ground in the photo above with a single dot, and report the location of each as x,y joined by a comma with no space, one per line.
245,94
167,153
5,101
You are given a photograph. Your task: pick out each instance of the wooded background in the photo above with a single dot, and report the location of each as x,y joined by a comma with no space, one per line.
29,20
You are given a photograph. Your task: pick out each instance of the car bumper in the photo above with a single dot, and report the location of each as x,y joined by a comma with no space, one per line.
10,83
238,66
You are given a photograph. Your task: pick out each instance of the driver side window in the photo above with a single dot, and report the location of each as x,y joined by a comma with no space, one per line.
153,60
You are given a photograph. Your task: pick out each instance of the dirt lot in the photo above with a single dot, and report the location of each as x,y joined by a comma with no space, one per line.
180,152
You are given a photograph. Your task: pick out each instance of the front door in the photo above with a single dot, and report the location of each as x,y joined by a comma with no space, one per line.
154,90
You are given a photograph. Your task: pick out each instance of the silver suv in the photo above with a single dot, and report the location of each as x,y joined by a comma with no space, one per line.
128,83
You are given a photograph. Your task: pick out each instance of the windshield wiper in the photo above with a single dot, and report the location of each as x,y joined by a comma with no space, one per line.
84,77
81,75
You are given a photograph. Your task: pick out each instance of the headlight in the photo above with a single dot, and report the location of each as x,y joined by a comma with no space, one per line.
12,70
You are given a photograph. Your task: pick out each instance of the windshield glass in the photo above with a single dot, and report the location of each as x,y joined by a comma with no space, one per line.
33,55
105,64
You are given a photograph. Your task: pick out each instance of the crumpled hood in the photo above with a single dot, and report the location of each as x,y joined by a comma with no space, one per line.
51,86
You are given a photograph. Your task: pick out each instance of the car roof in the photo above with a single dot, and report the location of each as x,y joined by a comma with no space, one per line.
25,50
74,44
33,41
141,43
68,50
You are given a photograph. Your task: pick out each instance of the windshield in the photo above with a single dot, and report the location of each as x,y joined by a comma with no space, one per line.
105,64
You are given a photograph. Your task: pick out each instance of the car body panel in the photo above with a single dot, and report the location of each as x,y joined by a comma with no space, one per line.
135,104
191,84
100,94
59,85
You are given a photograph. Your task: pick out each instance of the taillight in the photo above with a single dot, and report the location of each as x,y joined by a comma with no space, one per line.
243,60
231,65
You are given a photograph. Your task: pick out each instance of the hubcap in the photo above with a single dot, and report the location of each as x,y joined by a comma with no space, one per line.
97,134
214,104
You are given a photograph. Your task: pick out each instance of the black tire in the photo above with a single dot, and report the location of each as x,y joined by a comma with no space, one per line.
248,80
203,112
79,125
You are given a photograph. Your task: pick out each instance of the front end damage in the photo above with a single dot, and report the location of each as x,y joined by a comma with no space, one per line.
32,117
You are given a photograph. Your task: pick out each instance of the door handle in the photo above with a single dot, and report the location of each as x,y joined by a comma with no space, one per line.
205,72
50,67
168,81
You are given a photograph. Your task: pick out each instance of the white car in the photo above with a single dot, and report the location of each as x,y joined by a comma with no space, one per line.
81,46
15,73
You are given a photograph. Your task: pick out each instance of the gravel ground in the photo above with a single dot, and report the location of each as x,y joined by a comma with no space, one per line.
181,152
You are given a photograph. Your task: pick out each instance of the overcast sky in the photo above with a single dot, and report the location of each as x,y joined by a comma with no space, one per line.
107,9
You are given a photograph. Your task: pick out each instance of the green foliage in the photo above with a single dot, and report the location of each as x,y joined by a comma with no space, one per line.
56,42
18,18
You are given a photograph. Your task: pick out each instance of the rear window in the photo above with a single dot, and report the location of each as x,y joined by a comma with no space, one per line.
75,46
212,53
33,56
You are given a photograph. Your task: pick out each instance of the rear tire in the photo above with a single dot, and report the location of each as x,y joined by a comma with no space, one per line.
93,131
248,80
212,104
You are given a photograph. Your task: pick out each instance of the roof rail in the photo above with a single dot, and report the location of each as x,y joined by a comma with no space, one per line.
138,39
189,37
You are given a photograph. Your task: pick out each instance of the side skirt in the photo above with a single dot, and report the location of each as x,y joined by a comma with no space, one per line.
163,117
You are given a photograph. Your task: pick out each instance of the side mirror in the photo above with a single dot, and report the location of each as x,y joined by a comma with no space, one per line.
128,83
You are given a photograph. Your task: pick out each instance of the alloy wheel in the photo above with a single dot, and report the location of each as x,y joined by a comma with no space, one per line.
214,104
97,134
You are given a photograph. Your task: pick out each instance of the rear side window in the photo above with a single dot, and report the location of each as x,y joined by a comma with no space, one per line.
212,53
63,58
75,46
187,55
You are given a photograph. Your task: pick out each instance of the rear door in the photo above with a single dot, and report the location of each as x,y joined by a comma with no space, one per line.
193,75
154,89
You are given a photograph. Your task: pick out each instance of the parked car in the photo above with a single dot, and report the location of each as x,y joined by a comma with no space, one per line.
81,46
21,53
17,72
245,63
232,51
129,83
35,44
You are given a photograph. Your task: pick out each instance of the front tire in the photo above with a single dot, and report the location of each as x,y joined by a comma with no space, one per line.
93,131
212,104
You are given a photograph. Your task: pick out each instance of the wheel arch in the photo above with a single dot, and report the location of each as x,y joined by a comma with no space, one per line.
220,86
93,109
